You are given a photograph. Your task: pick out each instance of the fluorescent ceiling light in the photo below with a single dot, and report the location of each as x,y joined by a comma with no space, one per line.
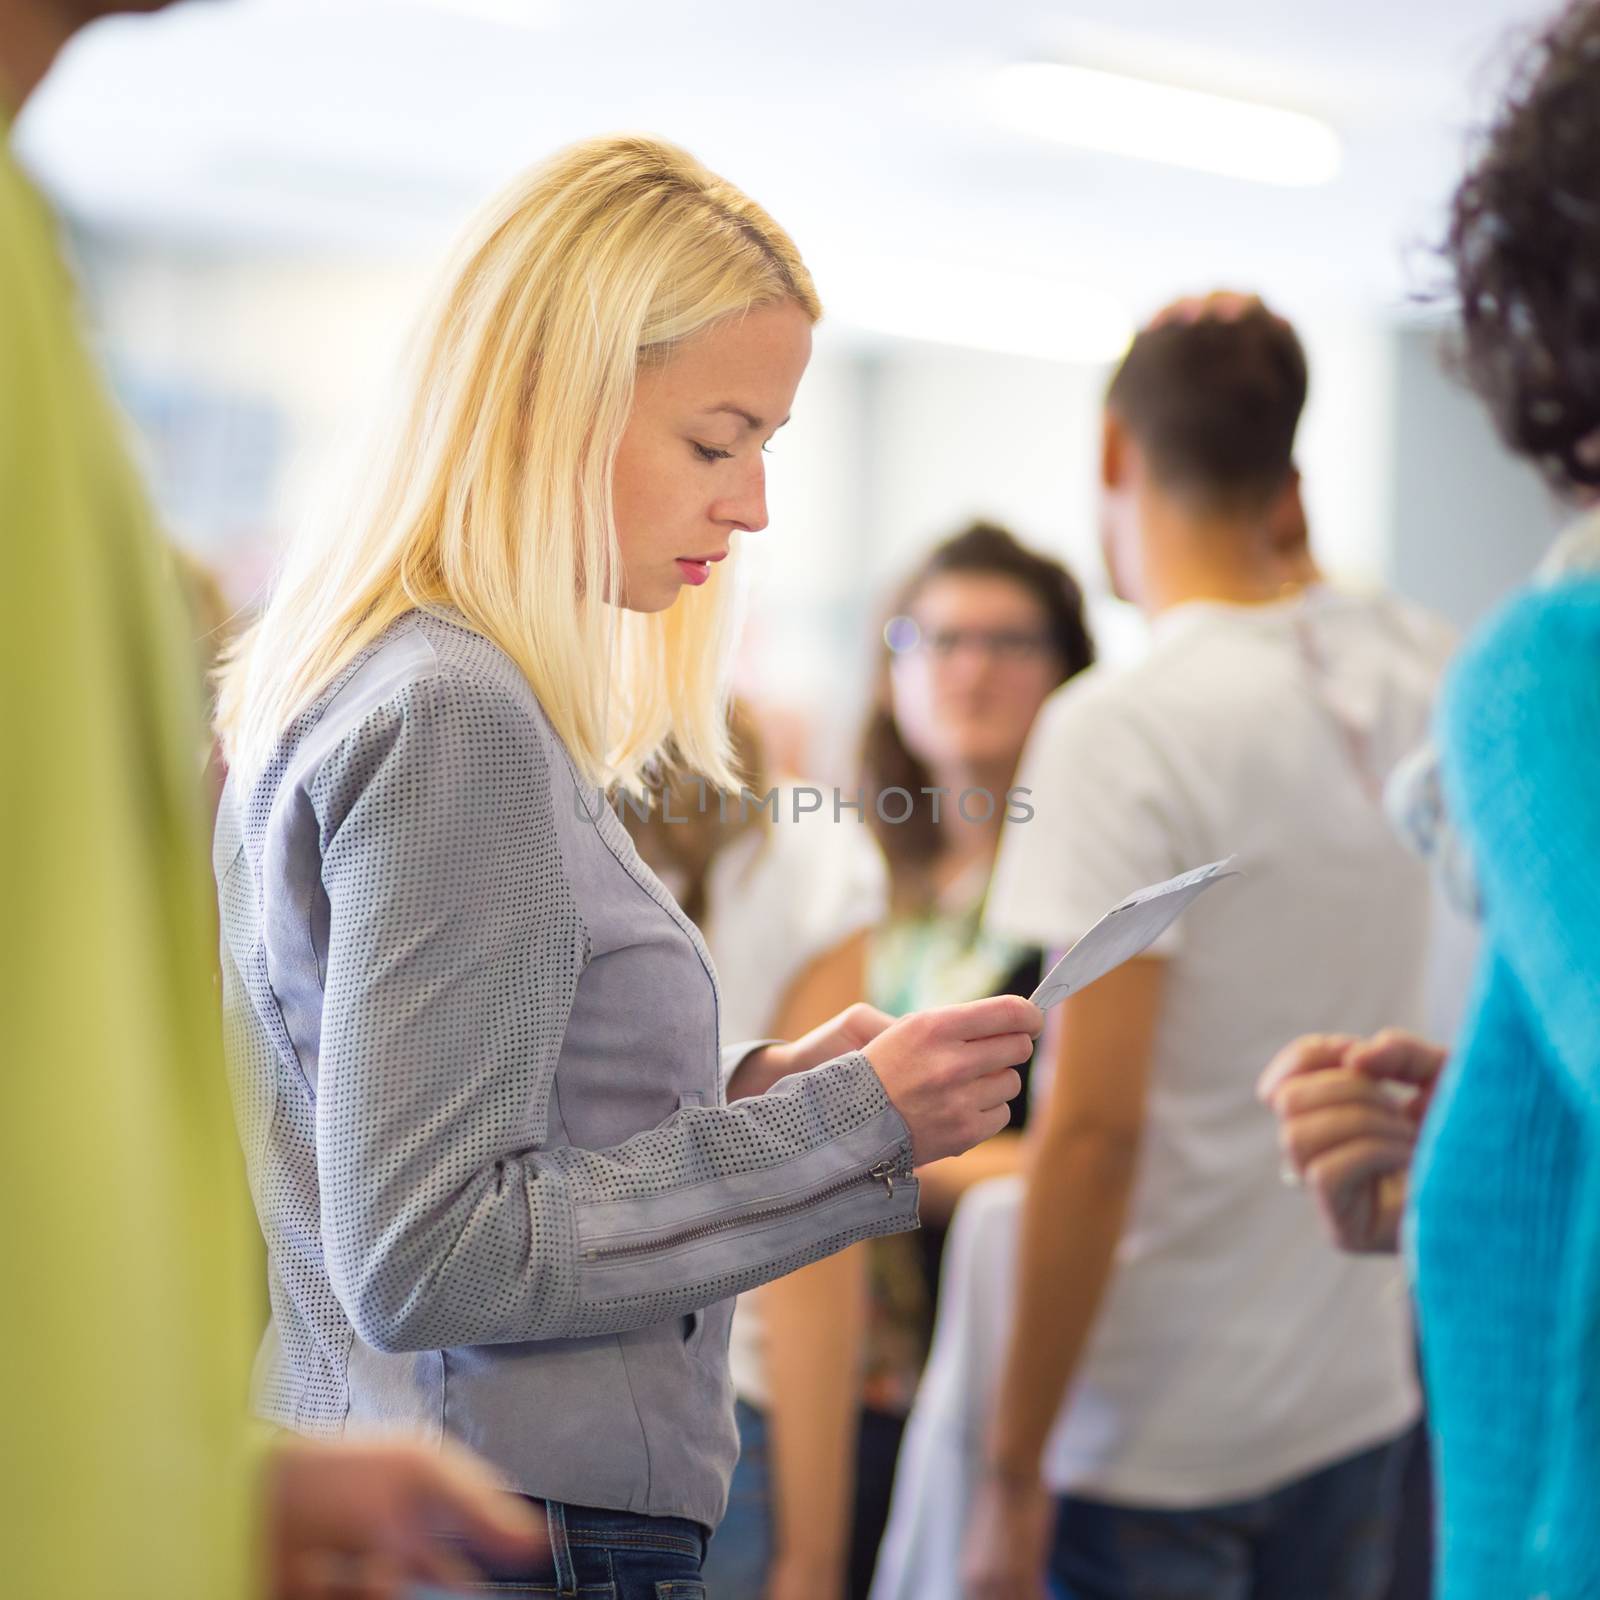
508,13
1162,122
977,308
515,13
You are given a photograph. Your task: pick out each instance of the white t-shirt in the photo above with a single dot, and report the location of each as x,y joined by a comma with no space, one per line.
1235,1350
777,898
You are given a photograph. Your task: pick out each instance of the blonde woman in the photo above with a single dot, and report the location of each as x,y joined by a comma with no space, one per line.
475,1041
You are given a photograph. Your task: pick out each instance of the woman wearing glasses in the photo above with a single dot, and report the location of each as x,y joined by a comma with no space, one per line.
980,634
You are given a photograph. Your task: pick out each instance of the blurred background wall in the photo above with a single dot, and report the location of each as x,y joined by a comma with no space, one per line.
261,192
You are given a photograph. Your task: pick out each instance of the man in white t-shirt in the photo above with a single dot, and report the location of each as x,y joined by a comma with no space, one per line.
1199,1398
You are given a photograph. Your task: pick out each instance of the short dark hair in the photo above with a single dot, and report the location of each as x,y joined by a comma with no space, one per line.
1524,246
1215,403
82,12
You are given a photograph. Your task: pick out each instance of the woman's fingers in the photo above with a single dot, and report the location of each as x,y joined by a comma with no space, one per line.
998,1089
950,1071
1357,1162
1351,1134
1330,1109
1360,1191
982,1057
1312,1052
1339,1086
1332,1088
1398,1056
1307,1139
992,1122
860,1023
1322,1090
1000,1015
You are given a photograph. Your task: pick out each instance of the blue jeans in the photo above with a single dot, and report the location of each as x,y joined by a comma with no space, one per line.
1329,1536
741,1549
603,1555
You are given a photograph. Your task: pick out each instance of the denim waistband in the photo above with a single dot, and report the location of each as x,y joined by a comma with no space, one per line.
589,1526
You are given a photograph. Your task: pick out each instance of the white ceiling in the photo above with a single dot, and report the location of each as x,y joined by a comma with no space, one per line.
377,124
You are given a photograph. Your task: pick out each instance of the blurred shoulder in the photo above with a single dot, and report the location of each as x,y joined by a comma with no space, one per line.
1541,638
1413,629
1527,685
1106,705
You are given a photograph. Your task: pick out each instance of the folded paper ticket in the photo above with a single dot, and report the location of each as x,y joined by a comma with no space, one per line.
1126,930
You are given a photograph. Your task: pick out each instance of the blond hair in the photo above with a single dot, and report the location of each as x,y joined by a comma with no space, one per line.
494,496
684,827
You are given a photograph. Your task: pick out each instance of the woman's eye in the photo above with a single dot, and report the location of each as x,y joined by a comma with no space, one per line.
706,453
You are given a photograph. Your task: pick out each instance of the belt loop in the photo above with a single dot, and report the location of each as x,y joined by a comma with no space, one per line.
560,1551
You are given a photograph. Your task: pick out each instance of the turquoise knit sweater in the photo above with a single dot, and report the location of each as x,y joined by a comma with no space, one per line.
1504,1235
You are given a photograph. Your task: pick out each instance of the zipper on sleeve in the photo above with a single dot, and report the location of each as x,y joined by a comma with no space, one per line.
884,1172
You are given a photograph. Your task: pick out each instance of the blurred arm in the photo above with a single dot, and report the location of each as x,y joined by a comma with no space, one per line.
944,1182
1080,1174
815,1333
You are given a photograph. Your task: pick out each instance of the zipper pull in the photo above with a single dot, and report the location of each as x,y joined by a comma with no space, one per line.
884,1173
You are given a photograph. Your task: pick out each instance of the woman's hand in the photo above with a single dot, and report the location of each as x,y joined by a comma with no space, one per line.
356,1520
853,1028
1006,1552
799,1578
951,1072
1349,1111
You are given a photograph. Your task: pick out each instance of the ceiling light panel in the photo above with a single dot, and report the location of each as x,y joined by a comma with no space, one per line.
1162,122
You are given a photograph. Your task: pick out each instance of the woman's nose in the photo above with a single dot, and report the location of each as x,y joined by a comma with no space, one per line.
748,508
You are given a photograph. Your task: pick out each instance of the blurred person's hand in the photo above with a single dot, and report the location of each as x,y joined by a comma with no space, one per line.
951,1072
360,1520
1006,1551
798,1578
1349,1111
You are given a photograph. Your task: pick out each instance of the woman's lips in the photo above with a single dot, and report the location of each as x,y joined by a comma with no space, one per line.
696,569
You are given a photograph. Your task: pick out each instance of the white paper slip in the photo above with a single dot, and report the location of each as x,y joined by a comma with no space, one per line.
1126,930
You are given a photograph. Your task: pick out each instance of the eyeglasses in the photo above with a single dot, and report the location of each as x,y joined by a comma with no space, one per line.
1007,646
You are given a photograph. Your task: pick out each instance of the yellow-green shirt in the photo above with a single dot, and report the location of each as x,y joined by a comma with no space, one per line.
125,1297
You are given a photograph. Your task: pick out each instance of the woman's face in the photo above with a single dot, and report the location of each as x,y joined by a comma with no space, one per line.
967,691
689,472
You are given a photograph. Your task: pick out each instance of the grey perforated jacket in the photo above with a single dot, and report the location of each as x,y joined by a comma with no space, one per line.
474,1050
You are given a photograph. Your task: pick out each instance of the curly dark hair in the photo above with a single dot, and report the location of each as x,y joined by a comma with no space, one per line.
985,548
1524,248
